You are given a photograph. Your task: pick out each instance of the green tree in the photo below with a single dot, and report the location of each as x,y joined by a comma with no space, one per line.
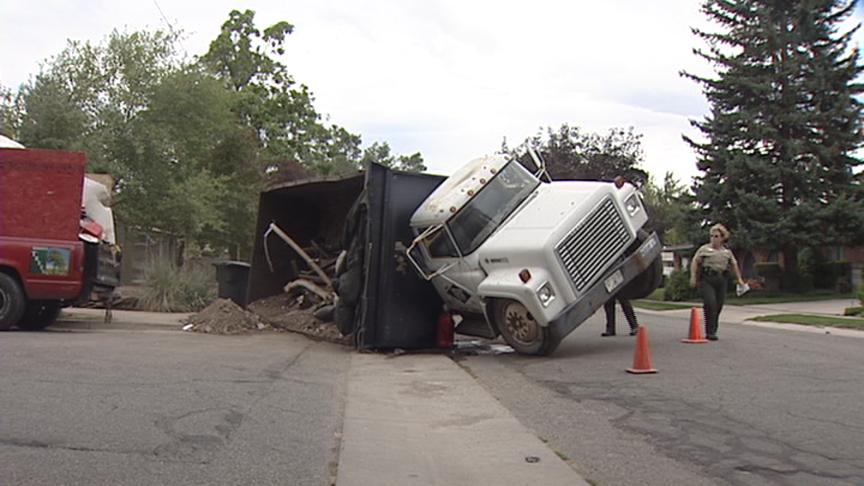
193,163
666,206
778,157
280,112
9,113
380,153
84,97
570,153
53,118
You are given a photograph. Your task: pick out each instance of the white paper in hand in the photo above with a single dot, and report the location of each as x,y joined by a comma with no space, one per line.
741,289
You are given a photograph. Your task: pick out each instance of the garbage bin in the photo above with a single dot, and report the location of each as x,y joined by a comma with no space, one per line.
233,280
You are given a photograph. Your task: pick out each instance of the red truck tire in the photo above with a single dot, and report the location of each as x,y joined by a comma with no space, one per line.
12,302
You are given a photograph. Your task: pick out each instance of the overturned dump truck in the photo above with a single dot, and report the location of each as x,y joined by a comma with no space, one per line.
505,252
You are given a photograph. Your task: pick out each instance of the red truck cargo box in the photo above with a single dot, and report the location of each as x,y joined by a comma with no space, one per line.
40,193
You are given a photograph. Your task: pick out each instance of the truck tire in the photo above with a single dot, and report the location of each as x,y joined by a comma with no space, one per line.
39,314
12,302
518,327
644,283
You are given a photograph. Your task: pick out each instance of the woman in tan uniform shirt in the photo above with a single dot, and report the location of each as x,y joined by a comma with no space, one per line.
710,271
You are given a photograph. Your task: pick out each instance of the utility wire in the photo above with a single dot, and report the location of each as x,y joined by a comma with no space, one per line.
170,27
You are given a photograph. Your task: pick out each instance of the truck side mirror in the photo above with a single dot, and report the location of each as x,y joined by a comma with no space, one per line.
541,173
415,256
418,259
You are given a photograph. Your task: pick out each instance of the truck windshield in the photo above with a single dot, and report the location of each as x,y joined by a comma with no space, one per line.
481,216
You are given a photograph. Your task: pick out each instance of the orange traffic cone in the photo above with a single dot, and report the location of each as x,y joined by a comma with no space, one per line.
695,328
642,357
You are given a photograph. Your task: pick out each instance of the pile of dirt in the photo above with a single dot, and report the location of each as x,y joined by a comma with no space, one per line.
223,316
285,312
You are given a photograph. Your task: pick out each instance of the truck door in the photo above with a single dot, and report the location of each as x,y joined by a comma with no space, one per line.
454,277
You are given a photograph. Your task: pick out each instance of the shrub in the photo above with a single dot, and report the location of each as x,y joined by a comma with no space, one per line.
769,273
768,269
861,295
796,282
678,287
171,289
831,275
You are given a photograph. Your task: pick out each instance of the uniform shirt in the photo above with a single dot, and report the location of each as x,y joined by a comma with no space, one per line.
715,259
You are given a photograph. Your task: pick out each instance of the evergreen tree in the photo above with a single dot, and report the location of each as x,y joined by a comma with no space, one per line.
778,158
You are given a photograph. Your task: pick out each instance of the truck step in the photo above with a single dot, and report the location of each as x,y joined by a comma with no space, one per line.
475,326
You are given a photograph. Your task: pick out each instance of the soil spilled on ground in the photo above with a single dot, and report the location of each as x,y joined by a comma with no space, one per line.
279,312
224,317
284,312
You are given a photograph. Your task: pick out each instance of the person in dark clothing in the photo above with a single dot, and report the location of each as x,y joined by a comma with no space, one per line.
609,307
710,270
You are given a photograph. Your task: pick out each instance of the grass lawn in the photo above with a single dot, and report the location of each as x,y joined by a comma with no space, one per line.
661,306
819,321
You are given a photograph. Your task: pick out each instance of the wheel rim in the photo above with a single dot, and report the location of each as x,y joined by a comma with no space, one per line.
520,324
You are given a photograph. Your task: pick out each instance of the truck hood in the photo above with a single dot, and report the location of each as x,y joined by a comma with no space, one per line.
550,206
546,218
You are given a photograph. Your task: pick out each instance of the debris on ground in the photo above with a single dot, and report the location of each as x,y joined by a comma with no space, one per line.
294,313
223,316
474,347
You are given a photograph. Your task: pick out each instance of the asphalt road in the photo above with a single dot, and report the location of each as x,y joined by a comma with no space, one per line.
148,406
760,406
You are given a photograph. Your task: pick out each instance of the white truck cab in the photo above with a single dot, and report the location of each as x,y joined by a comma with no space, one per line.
528,259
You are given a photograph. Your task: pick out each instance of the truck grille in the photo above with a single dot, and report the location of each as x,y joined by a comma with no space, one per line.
587,249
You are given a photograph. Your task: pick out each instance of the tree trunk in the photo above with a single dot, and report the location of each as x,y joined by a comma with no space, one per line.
790,268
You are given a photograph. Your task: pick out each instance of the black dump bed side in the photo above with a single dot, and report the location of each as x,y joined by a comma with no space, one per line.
396,308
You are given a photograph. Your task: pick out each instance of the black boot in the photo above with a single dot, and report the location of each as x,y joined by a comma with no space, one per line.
608,333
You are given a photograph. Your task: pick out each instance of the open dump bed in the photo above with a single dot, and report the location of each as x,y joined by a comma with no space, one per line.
396,309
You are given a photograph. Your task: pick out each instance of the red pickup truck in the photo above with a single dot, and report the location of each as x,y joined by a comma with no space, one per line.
51,254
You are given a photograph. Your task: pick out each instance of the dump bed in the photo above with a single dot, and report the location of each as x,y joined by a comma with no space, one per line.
397,308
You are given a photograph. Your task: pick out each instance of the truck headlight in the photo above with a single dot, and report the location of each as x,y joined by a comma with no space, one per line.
545,294
632,205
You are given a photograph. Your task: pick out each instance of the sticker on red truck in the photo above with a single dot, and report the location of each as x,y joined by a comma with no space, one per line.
50,261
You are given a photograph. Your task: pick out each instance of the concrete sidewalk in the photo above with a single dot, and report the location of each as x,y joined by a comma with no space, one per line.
419,419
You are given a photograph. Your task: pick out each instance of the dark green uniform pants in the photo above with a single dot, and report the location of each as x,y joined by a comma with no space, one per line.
713,290
609,307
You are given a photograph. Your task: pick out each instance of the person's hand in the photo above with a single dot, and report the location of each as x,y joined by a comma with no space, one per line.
693,283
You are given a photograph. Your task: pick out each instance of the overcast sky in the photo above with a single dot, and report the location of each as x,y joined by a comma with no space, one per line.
448,78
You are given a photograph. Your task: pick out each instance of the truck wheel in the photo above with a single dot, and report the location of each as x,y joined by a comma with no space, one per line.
520,330
12,302
39,315
644,283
